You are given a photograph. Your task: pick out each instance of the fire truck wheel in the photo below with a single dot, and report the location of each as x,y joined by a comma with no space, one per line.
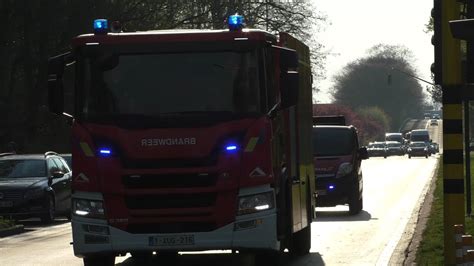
107,260
301,242
268,257
141,256
168,257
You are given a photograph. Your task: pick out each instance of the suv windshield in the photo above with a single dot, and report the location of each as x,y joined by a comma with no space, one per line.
22,168
332,141
171,85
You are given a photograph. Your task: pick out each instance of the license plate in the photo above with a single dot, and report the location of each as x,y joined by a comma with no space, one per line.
321,192
4,203
178,240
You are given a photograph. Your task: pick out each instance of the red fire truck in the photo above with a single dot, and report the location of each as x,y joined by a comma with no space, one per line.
188,140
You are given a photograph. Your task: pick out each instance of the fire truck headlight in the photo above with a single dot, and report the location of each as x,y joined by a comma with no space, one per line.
256,203
88,208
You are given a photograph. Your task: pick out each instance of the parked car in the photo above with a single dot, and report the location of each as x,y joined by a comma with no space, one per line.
418,148
433,122
68,158
394,148
377,149
434,147
35,185
337,163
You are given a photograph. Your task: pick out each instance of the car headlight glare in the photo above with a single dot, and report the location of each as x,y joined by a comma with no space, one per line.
34,193
344,169
88,208
256,203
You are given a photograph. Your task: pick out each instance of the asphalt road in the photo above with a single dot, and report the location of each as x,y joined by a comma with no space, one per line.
393,191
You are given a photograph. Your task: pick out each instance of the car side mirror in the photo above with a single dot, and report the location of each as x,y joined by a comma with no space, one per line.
363,154
57,174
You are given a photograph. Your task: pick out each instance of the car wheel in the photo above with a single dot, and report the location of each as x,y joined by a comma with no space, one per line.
355,201
409,156
99,261
426,155
49,216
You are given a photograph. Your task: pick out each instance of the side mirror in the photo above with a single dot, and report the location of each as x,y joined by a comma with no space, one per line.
363,154
289,77
57,174
289,89
55,83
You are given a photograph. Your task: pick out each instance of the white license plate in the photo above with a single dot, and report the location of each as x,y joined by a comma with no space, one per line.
321,192
178,240
4,203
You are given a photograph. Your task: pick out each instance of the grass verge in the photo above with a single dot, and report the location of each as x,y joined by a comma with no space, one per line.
431,249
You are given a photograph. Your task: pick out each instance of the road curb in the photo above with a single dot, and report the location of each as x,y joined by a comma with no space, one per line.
11,230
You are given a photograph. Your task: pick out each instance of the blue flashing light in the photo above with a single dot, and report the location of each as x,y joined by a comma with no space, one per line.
235,22
105,152
331,187
231,147
101,26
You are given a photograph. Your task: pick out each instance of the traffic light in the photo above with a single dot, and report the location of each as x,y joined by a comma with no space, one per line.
436,40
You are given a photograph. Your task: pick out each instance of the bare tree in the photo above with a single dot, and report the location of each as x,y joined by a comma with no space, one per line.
381,80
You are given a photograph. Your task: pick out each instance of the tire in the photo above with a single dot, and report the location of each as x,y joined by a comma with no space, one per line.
107,260
426,156
141,256
409,156
301,242
167,257
49,216
355,201
268,257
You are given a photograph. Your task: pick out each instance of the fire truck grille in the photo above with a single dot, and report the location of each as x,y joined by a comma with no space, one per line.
129,163
170,201
157,228
169,181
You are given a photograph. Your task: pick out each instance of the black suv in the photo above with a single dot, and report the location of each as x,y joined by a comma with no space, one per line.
337,164
34,185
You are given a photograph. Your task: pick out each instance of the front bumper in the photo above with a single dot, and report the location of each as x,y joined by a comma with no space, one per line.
333,191
258,232
23,208
418,153
250,231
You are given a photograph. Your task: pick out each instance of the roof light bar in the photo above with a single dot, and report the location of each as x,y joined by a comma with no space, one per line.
235,22
101,26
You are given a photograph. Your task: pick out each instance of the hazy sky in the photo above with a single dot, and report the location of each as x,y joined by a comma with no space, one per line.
356,25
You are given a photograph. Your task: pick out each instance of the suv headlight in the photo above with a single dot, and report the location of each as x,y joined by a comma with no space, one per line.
344,169
88,208
255,203
34,193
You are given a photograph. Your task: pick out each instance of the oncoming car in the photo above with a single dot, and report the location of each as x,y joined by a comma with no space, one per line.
418,148
34,185
377,149
337,162
394,148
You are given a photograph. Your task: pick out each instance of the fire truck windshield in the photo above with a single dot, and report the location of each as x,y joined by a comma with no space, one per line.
171,84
